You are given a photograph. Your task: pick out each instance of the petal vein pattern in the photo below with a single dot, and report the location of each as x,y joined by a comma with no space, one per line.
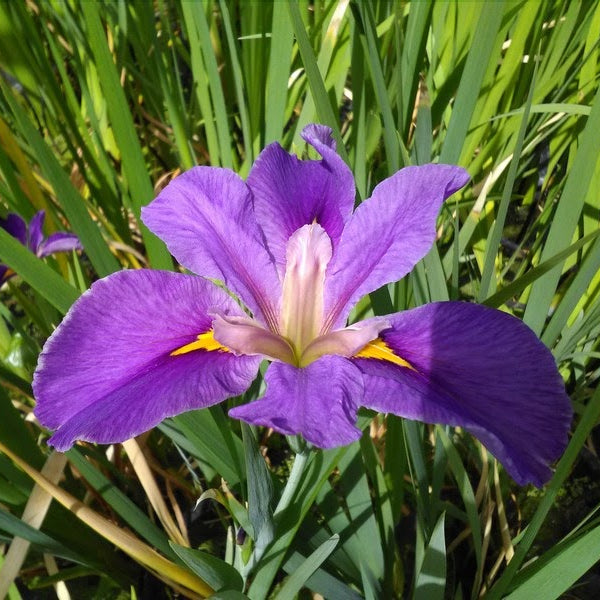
289,193
480,369
319,401
125,380
205,217
387,235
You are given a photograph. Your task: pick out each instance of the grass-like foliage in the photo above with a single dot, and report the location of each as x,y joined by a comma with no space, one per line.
102,103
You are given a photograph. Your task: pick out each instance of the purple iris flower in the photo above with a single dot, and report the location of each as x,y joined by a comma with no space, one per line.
33,238
292,258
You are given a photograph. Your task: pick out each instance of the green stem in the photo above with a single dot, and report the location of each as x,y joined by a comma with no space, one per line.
294,479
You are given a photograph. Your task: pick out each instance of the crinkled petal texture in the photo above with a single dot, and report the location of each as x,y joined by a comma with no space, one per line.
107,373
318,401
480,369
387,235
289,193
205,217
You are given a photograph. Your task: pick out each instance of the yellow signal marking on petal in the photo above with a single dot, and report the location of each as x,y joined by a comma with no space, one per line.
204,341
381,351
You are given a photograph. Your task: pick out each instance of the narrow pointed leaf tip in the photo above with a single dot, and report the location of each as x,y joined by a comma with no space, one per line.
285,243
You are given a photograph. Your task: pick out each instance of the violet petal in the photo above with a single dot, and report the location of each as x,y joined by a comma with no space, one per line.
289,192
388,234
480,369
36,231
206,219
107,373
15,225
318,401
58,242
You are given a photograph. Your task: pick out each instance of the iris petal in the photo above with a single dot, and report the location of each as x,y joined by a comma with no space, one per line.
58,242
387,235
289,192
36,234
480,369
107,372
205,216
14,225
318,401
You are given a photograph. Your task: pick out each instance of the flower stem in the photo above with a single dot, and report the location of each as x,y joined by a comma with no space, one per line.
293,481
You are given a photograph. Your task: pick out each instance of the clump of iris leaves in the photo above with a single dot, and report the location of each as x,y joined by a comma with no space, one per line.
102,103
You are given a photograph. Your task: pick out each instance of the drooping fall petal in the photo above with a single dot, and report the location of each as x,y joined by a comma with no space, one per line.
109,371
58,242
477,368
318,401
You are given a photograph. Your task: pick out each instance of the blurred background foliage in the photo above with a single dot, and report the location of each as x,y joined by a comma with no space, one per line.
102,103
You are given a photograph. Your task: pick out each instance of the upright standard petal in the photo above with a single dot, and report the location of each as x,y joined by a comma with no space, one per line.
36,231
206,219
388,234
289,192
477,368
115,367
318,401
